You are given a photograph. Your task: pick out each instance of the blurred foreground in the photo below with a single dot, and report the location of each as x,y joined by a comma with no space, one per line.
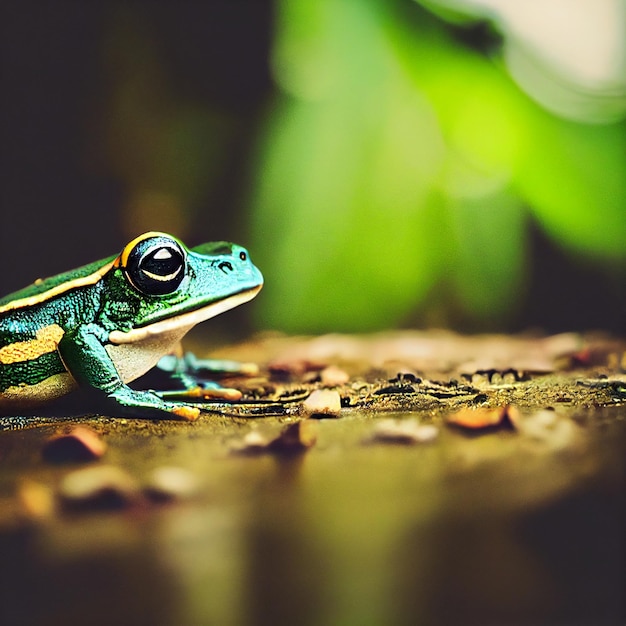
517,521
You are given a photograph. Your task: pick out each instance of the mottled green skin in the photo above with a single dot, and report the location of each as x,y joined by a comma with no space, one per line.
68,310
87,314
48,283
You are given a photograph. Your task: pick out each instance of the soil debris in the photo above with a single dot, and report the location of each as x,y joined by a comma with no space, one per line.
333,376
294,438
322,403
99,487
77,445
548,428
35,500
405,432
297,437
422,351
287,368
170,483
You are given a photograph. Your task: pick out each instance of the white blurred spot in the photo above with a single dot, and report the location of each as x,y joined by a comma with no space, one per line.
569,55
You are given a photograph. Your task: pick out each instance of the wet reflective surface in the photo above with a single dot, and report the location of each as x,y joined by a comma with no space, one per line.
507,526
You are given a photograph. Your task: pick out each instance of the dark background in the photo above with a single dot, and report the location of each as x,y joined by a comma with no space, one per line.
62,200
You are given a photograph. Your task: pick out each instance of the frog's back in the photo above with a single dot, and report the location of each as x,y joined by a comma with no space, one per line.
31,370
29,318
48,287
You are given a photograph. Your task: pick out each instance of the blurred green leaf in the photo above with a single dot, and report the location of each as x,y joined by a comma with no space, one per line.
575,184
489,270
395,162
344,202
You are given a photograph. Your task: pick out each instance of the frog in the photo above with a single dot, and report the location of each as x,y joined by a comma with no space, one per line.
105,324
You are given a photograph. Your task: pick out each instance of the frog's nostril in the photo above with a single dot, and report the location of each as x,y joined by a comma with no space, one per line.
243,256
226,267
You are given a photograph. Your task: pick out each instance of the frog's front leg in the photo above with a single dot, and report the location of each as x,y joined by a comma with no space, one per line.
84,355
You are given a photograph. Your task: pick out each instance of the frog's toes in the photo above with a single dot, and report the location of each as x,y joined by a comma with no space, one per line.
222,393
186,412
202,392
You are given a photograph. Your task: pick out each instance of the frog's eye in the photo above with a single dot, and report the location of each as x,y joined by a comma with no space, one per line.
156,266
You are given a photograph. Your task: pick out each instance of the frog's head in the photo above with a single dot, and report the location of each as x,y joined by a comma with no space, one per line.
158,284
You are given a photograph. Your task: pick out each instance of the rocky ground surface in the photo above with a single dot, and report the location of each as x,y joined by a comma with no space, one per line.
397,478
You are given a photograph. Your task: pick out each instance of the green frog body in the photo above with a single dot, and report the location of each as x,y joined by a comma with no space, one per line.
105,324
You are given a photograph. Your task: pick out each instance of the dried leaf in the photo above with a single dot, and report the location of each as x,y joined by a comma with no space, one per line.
79,444
482,418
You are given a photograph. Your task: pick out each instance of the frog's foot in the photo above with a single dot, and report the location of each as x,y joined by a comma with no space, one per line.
148,404
196,389
202,392
191,365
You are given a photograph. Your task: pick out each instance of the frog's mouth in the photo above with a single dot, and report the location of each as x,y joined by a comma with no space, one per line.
183,322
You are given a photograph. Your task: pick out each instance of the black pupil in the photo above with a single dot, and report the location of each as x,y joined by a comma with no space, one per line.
163,262
156,270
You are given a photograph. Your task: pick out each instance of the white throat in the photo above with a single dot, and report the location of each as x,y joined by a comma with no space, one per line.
135,352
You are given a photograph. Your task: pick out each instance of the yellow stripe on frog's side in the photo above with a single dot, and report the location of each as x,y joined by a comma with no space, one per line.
83,281
51,388
46,340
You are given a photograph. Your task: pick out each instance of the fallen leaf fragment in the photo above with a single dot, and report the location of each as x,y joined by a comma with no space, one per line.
78,444
322,403
101,487
405,432
482,418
